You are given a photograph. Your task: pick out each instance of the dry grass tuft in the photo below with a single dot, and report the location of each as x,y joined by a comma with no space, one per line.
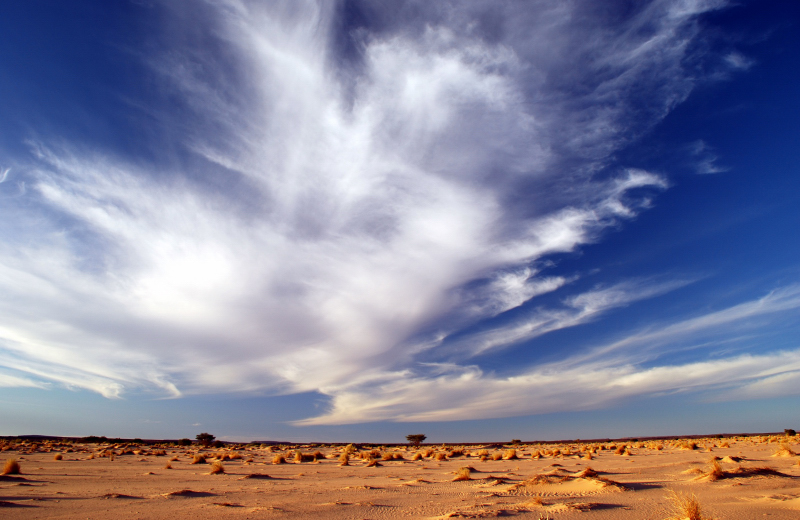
174,459
58,456
279,459
167,466
587,473
456,452
304,457
417,456
441,456
510,455
685,507
344,459
463,474
784,451
199,459
11,467
620,449
714,471
496,455
374,463
217,468
536,501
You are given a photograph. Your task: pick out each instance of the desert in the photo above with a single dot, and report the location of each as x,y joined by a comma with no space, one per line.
727,478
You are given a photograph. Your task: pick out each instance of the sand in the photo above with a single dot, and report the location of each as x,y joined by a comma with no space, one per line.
89,484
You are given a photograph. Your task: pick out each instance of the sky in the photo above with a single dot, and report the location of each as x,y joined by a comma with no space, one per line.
354,220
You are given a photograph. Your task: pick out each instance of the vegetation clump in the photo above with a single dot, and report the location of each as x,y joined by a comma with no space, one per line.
11,467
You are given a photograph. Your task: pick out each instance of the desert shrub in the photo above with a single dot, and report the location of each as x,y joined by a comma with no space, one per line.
510,455
198,459
217,468
279,459
496,455
784,451
11,467
441,456
58,456
685,507
463,474
344,459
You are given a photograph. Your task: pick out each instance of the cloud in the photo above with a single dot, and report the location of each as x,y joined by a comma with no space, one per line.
338,206
705,159
581,382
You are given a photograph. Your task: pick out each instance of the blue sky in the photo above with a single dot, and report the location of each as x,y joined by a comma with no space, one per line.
360,219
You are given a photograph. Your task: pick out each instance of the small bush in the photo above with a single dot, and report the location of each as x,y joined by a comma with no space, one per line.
279,459
463,474
199,459
11,467
217,468
685,507
58,456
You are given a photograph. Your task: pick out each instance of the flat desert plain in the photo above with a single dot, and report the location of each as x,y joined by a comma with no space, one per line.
732,478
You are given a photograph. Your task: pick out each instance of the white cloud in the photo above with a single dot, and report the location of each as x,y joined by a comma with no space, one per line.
464,393
365,213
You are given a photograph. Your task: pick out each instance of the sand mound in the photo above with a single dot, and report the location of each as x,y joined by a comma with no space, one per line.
565,485
262,476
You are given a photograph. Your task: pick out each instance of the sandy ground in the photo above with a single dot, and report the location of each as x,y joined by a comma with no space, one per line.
90,483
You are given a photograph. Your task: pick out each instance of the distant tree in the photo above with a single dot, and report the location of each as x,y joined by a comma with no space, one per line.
515,441
219,444
205,438
416,438
184,442
790,432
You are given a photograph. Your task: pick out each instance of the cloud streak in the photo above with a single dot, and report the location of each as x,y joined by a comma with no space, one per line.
351,188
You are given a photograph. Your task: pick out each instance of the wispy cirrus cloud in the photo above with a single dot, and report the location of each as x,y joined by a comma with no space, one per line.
349,188
606,375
